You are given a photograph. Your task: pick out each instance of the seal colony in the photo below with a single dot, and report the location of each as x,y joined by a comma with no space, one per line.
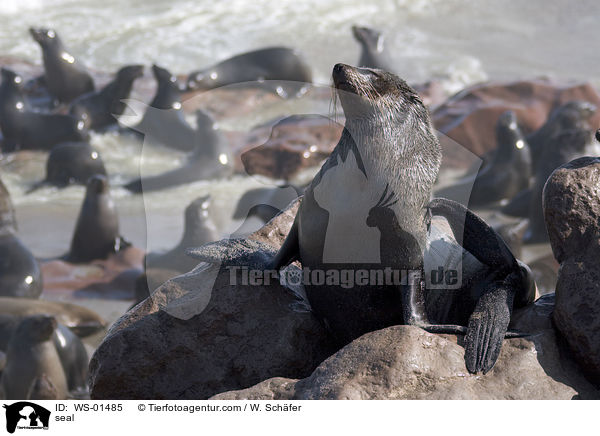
388,158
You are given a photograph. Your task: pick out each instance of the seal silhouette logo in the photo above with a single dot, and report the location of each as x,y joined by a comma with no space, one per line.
26,415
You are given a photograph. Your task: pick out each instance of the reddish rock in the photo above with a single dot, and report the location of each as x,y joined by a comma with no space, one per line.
295,143
469,117
111,278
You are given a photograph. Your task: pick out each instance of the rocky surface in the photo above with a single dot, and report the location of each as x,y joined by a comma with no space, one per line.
193,339
572,214
405,362
470,116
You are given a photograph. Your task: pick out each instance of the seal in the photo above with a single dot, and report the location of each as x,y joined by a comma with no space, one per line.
65,77
210,160
80,320
71,163
73,357
164,121
368,208
100,109
278,69
372,53
30,354
504,176
97,230
25,129
572,115
559,149
199,229
20,274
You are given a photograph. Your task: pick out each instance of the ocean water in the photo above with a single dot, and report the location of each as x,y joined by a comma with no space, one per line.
459,41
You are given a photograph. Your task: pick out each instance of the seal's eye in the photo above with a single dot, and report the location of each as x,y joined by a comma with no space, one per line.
50,34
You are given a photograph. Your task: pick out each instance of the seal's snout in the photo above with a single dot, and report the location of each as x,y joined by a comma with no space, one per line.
342,77
508,119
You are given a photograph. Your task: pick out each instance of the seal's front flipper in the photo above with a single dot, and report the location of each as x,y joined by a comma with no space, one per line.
487,327
289,251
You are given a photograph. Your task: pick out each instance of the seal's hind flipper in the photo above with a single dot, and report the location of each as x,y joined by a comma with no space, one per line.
487,328
475,235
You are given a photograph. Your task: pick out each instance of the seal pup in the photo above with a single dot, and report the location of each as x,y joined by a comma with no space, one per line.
388,155
31,354
100,109
164,120
278,69
372,53
199,229
20,274
65,77
504,176
97,230
210,160
25,129
71,163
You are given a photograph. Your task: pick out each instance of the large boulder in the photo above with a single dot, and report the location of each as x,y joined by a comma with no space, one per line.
199,334
572,213
405,362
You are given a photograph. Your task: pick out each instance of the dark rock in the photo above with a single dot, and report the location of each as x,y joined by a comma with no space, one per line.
572,213
199,335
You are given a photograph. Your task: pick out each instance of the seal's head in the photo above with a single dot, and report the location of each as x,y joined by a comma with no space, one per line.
572,115
376,95
46,38
368,37
12,78
131,72
96,185
36,328
508,134
197,210
163,75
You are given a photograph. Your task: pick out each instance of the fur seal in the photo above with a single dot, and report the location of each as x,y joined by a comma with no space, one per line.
559,149
164,120
572,115
504,176
210,160
80,320
20,274
71,163
99,110
25,129
199,229
372,48
279,69
73,357
97,230
30,354
65,77
368,207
